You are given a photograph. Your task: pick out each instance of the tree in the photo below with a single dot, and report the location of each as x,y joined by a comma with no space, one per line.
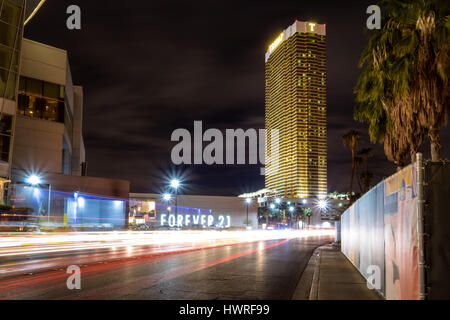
266,213
366,176
351,139
403,92
307,213
421,50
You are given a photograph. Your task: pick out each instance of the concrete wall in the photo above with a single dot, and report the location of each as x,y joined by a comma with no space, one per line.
235,207
43,62
113,188
78,152
37,145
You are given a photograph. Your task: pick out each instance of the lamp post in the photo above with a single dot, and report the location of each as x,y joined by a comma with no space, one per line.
175,183
248,201
291,210
34,181
167,197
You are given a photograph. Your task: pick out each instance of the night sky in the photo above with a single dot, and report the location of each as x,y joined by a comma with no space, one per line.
149,67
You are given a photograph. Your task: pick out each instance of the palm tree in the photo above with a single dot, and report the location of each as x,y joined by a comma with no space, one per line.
425,42
307,213
351,139
403,92
365,154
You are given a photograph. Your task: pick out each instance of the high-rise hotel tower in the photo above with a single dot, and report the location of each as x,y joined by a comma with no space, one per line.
296,142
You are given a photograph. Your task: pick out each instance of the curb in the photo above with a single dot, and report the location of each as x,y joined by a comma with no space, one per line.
306,281
314,292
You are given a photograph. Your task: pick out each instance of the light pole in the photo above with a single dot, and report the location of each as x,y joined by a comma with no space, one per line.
175,183
248,201
167,197
291,210
35,180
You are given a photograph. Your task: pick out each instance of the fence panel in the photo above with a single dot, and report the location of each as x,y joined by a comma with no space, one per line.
380,230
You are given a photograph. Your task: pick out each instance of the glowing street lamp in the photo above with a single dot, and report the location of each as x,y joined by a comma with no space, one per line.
322,204
167,197
291,209
175,183
278,200
35,180
272,206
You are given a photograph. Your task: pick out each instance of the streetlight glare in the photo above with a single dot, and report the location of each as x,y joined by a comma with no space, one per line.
248,200
272,206
322,204
33,180
291,209
277,200
167,196
175,183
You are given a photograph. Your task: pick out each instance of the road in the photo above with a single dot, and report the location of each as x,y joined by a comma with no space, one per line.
170,265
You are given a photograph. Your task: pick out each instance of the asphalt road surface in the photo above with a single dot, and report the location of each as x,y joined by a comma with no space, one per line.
228,268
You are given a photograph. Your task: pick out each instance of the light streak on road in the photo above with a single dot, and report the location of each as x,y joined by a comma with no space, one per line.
24,244
116,264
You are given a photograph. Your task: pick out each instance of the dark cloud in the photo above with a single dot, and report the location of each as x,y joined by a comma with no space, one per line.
149,67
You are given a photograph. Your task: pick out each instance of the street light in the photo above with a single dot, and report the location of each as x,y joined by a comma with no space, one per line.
278,200
248,201
167,197
272,206
291,211
35,180
322,204
175,183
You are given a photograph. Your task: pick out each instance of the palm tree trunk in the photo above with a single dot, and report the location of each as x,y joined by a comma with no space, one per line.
435,144
366,180
353,172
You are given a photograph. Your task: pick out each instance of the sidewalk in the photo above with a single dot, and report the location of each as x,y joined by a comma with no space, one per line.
333,278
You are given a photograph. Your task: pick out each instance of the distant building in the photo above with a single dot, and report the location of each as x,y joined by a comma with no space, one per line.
296,153
194,211
49,121
41,134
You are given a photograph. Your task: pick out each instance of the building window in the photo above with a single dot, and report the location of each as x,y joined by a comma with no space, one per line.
10,41
5,136
40,99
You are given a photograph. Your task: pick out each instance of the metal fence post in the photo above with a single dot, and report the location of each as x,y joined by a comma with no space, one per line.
420,219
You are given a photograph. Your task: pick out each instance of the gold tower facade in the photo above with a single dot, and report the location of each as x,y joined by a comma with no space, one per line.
296,141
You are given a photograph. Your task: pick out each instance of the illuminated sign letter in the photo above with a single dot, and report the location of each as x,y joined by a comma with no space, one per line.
312,26
180,221
171,220
163,219
196,219
203,219
210,220
276,43
187,220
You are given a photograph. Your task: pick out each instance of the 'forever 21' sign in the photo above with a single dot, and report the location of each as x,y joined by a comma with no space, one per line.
198,219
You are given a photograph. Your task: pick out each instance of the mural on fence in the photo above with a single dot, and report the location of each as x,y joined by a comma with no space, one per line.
380,230
401,246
